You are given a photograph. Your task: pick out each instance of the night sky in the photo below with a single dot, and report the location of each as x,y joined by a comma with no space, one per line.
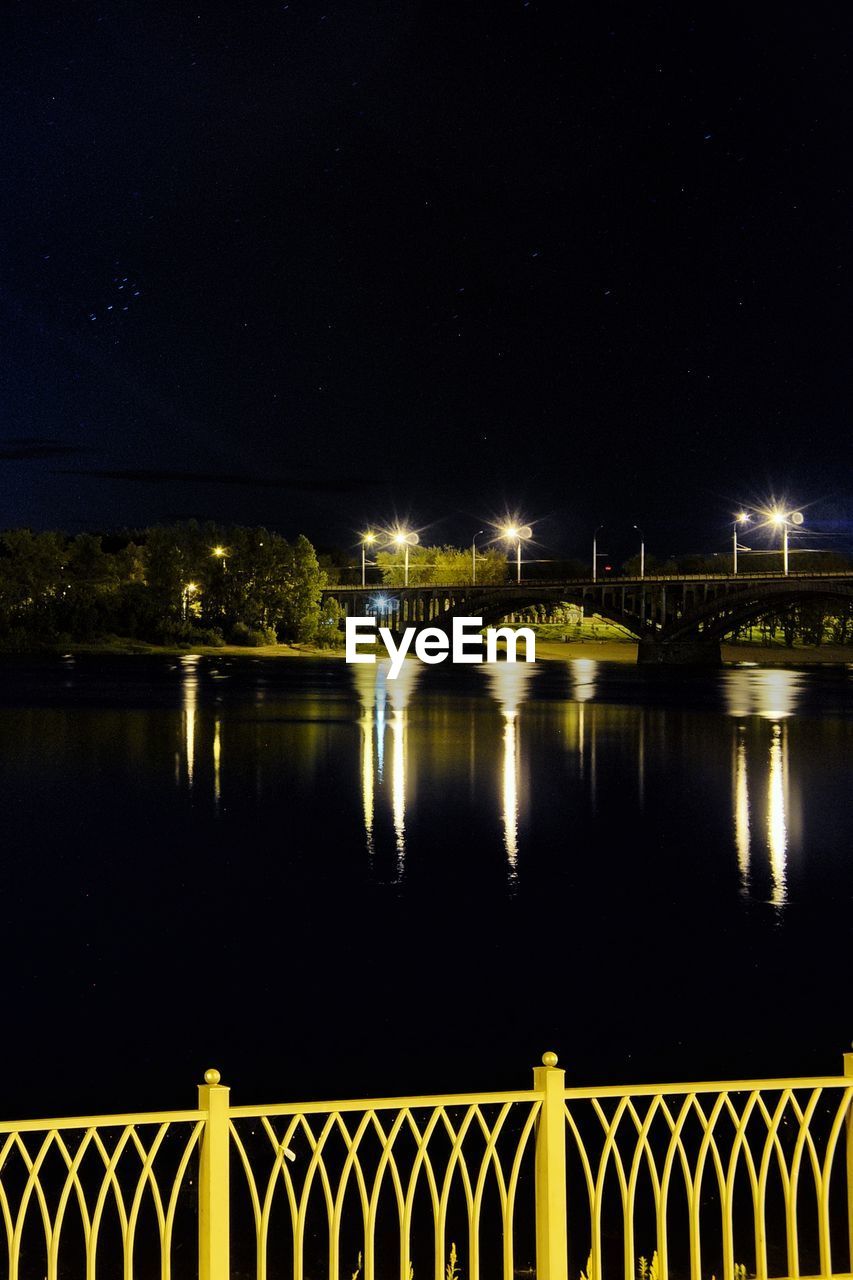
318,265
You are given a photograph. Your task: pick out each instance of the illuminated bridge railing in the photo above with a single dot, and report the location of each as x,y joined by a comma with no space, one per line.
690,1181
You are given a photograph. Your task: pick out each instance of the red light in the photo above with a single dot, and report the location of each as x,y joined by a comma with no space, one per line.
607,568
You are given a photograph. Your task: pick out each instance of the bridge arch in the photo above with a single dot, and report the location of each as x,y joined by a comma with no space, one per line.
493,610
723,615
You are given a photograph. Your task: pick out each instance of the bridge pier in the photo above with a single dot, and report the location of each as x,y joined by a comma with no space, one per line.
689,652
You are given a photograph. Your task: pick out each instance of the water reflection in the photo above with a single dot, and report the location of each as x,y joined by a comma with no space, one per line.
189,671
584,676
366,725
777,826
508,683
217,760
622,751
384,705
741,808
755,697
399,693
773,695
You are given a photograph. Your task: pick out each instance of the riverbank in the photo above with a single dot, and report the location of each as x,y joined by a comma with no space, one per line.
609,650
760,655
128,648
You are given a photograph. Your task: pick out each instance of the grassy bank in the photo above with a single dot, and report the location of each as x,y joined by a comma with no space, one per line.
613,648
127,647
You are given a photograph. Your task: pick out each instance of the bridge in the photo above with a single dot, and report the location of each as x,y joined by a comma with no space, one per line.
677,618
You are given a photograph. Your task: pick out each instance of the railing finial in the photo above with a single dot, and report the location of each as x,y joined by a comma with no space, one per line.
212,1076
549,1059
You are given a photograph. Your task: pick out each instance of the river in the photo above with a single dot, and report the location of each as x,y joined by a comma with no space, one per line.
326,883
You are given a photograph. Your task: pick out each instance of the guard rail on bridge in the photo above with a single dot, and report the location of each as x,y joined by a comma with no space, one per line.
739,578
729,1179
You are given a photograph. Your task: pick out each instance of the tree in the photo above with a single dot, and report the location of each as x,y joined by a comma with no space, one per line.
303,586
441,566
31,573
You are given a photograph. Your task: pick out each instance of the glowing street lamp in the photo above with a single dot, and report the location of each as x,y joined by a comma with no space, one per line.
474,556
220,553
367,540
642,551
404,539
743,518
517,534
190,588
783,520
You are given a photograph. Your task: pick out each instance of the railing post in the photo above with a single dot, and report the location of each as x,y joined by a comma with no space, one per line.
848,1071
552,1260
213,1194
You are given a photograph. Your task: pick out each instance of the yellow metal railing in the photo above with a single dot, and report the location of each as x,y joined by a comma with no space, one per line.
685,1181
85,1196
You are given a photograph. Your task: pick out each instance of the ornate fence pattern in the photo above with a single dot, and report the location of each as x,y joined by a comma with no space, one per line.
687,1181
96,1195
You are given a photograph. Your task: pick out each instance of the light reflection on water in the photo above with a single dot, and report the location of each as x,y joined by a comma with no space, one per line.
743,836
673,848
773,695
509,683
189,670
399,695
217,762
583,673
777,828
377,694
450,736
755,697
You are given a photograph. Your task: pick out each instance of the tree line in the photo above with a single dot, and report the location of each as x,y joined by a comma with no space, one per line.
170,584
194,583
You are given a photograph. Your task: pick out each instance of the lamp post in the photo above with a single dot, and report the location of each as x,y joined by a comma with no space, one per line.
642,551
781,519
474,556
517,533
220,553
404,539
190,589
367,540
743,518
595,552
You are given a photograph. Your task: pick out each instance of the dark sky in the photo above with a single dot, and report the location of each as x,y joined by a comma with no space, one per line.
316,265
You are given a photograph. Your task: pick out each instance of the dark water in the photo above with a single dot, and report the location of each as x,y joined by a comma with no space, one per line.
325,883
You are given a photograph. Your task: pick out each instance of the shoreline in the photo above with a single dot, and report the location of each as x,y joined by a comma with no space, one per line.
732,654
622,651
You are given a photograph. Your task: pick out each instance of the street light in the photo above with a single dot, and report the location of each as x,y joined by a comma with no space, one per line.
642,551
220,553
190,589
367,540
517,533
743,518
474,556
404,539
781,520
595,552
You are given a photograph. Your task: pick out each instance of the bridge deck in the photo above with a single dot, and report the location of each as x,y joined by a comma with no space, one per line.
741,579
